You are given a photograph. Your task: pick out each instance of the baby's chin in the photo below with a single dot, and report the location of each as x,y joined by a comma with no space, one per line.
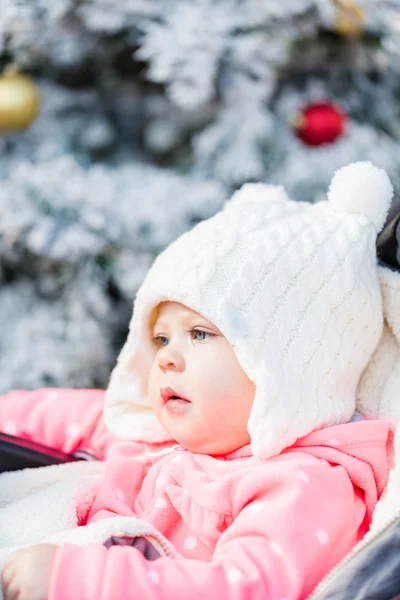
201,444
187,428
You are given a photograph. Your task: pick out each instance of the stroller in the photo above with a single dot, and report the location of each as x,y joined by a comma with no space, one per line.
372,570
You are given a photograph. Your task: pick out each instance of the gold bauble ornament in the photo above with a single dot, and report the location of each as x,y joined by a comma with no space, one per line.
19,101
349,18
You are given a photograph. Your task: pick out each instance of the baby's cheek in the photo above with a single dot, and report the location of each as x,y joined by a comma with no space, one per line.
212,382
216,397
152,385
223,377
229,393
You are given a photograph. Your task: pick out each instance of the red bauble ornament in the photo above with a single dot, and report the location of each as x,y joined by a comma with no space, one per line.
319,123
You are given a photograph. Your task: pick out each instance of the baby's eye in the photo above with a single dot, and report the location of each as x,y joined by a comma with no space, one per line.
200,335
159,341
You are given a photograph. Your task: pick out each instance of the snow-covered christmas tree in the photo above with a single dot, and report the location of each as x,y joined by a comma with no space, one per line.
151,113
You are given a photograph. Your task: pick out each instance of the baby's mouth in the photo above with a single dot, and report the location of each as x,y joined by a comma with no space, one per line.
169,395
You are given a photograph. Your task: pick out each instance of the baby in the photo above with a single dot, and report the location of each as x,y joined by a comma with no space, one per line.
226,421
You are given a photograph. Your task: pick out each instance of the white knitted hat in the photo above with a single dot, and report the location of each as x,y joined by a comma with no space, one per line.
293,286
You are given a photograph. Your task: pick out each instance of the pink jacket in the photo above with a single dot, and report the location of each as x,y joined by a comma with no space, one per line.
241,528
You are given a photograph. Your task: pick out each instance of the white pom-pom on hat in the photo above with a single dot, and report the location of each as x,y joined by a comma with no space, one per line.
364,189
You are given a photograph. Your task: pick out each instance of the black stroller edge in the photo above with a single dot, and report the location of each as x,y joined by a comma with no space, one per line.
18,453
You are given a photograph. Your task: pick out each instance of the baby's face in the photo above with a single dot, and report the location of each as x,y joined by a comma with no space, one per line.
196,386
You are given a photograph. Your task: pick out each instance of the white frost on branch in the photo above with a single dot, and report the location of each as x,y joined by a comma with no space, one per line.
45,343
83,207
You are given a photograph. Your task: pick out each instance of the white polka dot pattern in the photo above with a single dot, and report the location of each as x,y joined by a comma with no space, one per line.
120,495
153,576
322,537
334,442
234,575
256,507
73,430
160,481
303,476
276,548
190,542
161,503
10,428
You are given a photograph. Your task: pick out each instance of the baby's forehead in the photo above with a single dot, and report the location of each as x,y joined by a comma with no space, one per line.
172,314
166,310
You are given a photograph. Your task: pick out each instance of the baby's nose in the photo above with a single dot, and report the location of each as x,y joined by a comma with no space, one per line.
170,359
